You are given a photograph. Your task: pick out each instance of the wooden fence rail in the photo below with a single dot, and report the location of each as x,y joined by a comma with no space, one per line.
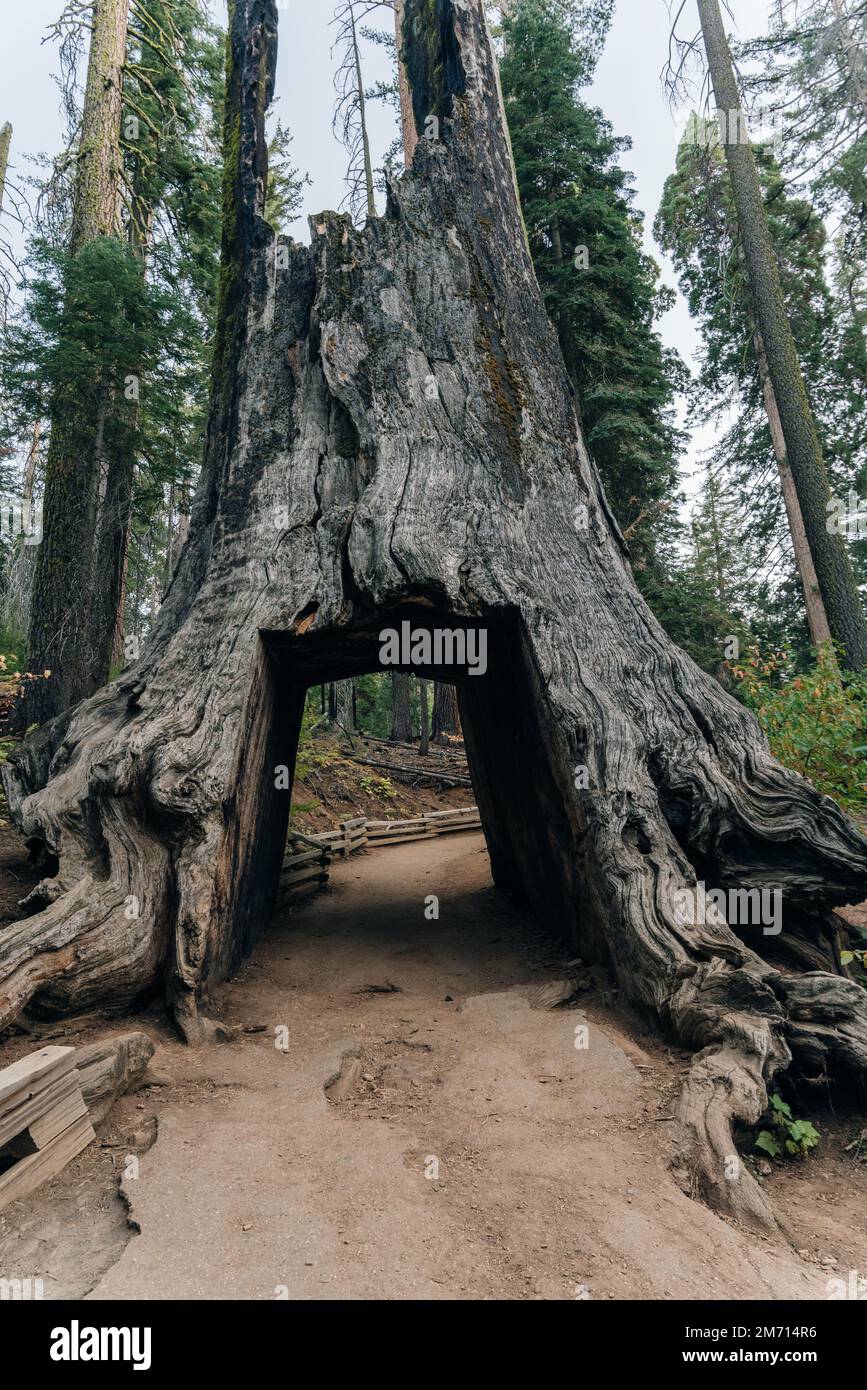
309,857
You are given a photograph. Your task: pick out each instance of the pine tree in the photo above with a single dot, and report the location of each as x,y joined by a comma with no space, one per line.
114,346
811,70
172,91
82,394
803,446
697,224
601,290
350,114
285,184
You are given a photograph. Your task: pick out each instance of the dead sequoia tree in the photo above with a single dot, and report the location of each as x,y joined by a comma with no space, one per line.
392,435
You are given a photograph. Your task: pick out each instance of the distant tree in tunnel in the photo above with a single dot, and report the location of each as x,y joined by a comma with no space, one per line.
423,722
444,719
401,708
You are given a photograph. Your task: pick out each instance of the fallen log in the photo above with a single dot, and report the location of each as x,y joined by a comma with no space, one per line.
111,1067
449,779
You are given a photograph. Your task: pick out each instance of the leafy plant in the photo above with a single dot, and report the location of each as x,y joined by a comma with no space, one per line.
383,786
816,721
788,1136
857,958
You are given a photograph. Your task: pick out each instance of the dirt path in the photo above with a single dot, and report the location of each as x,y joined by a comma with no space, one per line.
478,1154
469,1150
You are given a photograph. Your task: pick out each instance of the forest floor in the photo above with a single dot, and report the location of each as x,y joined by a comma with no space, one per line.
430,1132
336,780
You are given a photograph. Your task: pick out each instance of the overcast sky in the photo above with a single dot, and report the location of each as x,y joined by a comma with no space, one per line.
627,87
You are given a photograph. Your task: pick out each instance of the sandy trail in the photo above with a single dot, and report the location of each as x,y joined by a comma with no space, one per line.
478,1154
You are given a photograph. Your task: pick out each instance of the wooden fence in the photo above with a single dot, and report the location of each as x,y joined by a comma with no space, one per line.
309,857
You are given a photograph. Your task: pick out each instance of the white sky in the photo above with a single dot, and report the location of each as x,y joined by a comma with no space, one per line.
627,87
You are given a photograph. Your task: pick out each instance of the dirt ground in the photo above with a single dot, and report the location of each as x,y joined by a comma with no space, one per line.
467,1149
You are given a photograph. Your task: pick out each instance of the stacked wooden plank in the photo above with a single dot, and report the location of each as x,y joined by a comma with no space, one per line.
44,1120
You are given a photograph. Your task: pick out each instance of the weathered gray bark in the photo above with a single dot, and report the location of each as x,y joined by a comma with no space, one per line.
803,449
400,388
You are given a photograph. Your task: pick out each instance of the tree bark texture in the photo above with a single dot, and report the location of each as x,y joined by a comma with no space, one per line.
96,209
444,718
803,449
817,619
392,437
401,709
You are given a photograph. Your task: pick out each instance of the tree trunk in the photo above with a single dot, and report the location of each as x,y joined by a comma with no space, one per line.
716,542
107,589
344,706
854,51
22,557
445,712
5,143
401,720
817,620
423,726
803,450
362,118
611,773
409,134
96,209
59,637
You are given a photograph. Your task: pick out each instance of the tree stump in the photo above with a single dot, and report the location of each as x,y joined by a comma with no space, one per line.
392,436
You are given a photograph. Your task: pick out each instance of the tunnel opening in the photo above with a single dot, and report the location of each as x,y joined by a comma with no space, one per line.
527,816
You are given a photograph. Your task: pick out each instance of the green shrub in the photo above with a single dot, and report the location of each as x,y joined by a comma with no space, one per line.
815,720
787,1137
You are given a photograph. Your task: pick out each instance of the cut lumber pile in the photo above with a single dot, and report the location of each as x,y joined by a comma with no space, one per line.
44,1120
